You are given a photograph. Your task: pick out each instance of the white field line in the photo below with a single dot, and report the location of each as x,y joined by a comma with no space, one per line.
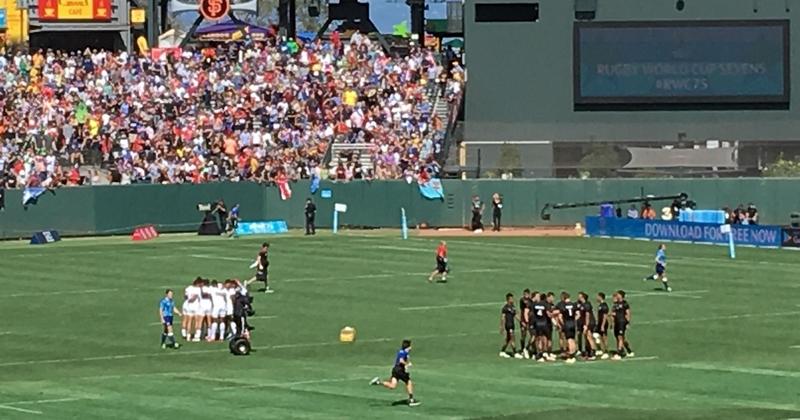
747,371
592,362
685,294
10,405
716,318
245,385
278,280
547,250
794,347
454,305
218,350
21,410
404,249
613,264
220,257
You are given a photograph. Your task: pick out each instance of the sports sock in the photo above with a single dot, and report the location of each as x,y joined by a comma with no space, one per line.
233,329
183,332
666,285
221,330
163,338
171,339
213,332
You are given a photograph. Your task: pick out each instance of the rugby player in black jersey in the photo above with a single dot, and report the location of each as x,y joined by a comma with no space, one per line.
508,318
524,322
622,317
601,332
586,325
568,315
538,320
551,315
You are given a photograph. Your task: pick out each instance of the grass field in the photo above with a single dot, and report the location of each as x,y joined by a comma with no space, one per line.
79,335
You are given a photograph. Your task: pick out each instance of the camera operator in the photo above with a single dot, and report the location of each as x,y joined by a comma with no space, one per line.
222,214
242,308
232,220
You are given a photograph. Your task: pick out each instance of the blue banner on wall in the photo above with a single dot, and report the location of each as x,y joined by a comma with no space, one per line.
659,230
432,189
262,228
3,18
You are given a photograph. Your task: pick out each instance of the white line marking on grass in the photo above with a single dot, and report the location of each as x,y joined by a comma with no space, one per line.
244,385
591,362
717,318
689,294
56,400
794,347
220,257
220,350
613,264
454,305
62,292
379,276
21,410
403,248
728,369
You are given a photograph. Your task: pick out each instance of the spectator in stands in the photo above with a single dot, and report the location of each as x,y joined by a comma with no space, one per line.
752,214
648,213
236,112
632,212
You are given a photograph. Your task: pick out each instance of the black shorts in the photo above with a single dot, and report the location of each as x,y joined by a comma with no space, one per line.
592,327
261,275
399,372
509,332
441,266
569,330
619,329
601,331
541,329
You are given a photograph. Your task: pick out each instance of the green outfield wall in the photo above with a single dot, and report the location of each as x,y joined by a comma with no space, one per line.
117,209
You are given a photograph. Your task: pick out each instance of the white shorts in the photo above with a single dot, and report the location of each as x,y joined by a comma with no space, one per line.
229,311
189,309
206,307
219,312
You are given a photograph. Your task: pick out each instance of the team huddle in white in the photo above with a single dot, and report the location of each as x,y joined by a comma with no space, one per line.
208,309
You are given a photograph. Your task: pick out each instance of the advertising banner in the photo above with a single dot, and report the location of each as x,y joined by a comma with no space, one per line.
262,228
87,10
659,230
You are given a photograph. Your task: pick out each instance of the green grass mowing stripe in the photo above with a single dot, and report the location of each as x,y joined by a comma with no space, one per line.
730,369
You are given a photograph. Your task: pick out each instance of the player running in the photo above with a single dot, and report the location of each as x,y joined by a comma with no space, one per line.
402,363
601,333
262,268
661,268
441,263
166,308
508,318
622,317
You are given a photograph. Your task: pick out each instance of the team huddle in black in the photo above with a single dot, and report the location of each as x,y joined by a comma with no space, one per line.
581,331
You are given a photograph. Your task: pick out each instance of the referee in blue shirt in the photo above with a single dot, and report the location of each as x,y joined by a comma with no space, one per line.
661,267
166,308
402,362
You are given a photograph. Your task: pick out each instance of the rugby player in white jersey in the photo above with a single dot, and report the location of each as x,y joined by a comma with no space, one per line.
230,292
206,307
191,304
217,312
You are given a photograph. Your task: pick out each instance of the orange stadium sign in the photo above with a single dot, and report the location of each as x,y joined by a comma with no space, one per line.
90,10
215,9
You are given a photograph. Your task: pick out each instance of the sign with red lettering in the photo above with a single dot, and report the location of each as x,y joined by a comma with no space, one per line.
214,9
55,10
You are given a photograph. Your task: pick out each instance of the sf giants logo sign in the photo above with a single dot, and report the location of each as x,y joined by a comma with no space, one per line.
214,9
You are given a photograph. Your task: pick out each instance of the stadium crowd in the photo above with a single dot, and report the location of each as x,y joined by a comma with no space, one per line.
241,111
